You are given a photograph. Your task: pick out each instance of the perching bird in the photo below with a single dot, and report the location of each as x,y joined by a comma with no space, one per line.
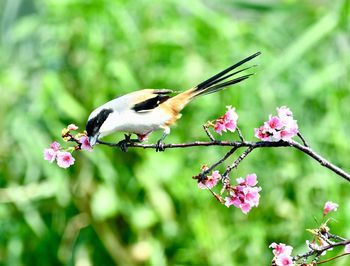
144,111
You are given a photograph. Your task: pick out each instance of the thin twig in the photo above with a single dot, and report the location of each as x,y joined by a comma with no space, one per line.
210,136
303,139
237,161
333,258
240,135
332,236
227,155
216,196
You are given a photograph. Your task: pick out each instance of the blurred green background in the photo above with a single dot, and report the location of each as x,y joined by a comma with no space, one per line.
59,59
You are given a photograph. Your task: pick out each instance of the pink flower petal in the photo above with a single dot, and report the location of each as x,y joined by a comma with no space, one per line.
279,249
251,180
253,197
85,145
329,206
245,207
228,201
202,185
236,201
50,155
284,111
216,174
284,260
219,126
347,248
274,122
226,122
55,146
262,134
72,127
64,159
210,181
231,114
273,245
231,126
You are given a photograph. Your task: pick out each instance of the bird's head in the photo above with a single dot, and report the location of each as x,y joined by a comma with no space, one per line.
94,123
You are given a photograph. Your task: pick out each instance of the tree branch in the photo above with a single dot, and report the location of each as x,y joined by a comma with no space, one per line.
239,144
320,250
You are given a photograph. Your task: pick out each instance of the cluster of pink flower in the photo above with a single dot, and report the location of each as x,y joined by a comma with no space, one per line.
226,122
280,127
282,254
245,194
210,181
64,157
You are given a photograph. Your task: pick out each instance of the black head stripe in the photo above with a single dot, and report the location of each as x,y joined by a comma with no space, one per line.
94,124
150,103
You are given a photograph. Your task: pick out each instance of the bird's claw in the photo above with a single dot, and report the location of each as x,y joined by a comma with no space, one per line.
160,146
123,144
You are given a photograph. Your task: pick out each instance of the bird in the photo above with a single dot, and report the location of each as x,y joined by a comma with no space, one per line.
144,111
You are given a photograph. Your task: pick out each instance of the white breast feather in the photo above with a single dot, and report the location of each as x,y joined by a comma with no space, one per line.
133,122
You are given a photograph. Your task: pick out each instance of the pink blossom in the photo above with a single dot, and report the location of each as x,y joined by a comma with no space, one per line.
244,195
235,201
245,207
252,195
230,125
251,180
282,254
50,155
262,133
85,145
55,146
210,181
219,126
347,248
231,114
329,206
284,111
284,260
72,127
274,122
281,248
286,134
64,159
226,122
280,127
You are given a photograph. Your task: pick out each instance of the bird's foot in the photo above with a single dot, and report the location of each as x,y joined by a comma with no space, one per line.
160,146
125,143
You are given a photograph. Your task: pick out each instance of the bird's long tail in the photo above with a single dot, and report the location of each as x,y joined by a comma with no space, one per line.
222,79
217,82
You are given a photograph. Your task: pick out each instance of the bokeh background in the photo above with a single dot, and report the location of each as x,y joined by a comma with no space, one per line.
61,59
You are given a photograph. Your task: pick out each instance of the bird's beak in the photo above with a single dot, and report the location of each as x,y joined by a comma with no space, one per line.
93,140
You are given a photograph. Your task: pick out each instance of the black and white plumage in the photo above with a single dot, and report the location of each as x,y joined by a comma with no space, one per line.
144,111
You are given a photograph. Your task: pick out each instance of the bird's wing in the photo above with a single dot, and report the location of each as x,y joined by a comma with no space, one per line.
147,100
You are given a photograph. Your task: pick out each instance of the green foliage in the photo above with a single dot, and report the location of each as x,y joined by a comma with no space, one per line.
60,59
